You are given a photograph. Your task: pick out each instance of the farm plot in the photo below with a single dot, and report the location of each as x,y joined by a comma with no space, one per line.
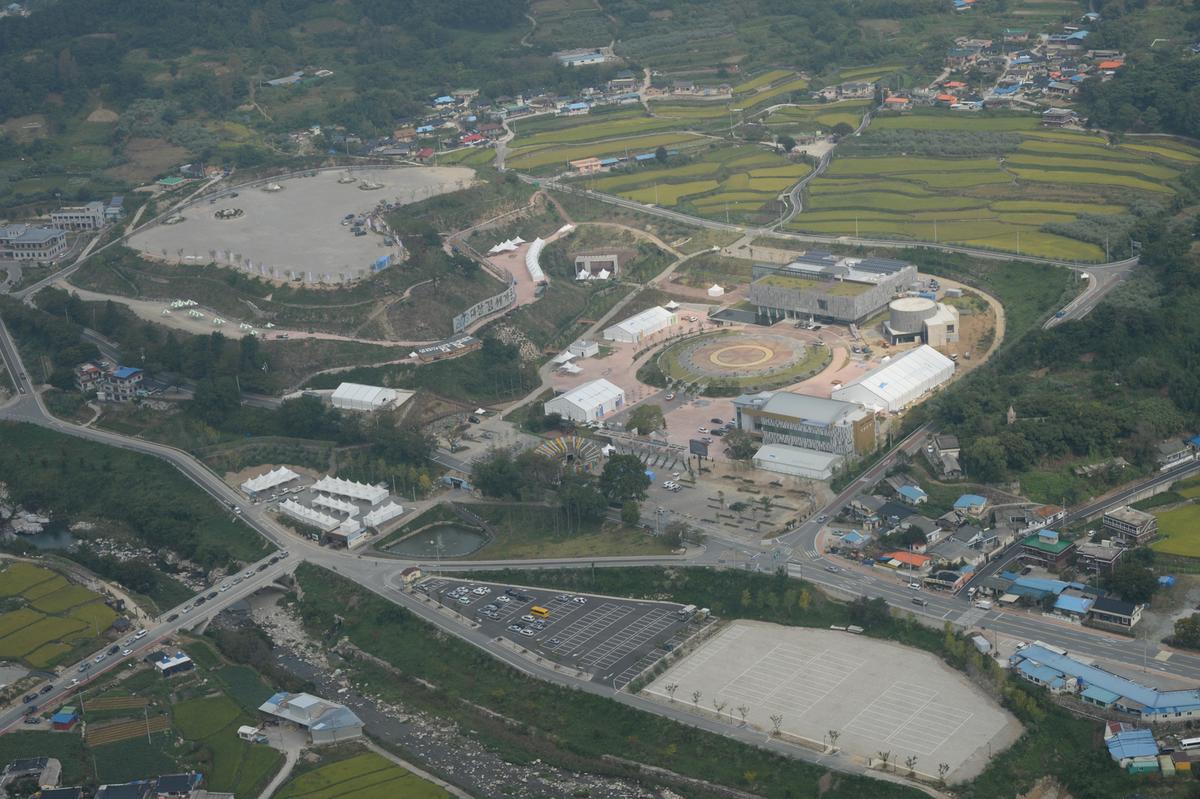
364,776
559,155
765,96
58,616
817,116
1179,529
998,203
125,730
742,180
765,79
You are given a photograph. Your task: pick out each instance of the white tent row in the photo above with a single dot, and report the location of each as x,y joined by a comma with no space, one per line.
382,514
603,274
269,480
508,245
336,505
322,521
531,260
348,488
900,381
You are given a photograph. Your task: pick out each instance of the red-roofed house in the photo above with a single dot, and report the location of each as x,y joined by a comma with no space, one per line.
898,103
946,99
424,153
473,138
1110,65
909,560
954,84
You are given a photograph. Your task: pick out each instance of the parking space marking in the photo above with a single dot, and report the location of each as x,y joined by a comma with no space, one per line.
930,728
629,638
893,711
589,626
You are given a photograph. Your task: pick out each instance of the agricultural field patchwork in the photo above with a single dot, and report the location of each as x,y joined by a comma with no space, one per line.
57,618
817,116
1029,199
744,181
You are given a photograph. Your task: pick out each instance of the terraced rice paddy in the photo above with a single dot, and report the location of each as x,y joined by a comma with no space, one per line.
998,203
817,116
58,616
558,155
765,79
744,181
365,776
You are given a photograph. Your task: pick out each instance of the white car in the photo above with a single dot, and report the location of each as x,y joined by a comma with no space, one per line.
224,587
579,600
669,397
482,590
527,618
140,635
527,631
915,586
100,657
249,573
701,429
504,599
127,653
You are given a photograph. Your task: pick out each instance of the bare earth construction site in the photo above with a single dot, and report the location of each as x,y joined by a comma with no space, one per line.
876,696
298,228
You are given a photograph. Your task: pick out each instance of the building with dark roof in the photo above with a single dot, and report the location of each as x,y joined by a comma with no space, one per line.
175,785
1114,614
830,288
62,793
29,243
125,790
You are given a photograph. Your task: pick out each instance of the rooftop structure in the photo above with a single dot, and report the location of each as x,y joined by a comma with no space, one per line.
359,492
798,461
326,721
28,243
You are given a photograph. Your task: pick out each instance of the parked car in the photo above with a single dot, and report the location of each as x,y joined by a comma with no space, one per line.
173,617
46,689
29,698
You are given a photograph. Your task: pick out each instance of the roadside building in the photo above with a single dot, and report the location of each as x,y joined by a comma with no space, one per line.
585,166
800,420
1115,614
1135,699
325,721
170,665
115,208
827,287
588,402
1130,527
1100,558
65,719
125,790
410,575
912,494
175,786
1047,549
1173,452
122,384
28,243
900,381
89,216
971,505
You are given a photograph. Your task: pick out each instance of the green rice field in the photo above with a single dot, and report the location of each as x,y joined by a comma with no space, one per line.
743,181
58,617
365,776
1051,177
765,79
1179,529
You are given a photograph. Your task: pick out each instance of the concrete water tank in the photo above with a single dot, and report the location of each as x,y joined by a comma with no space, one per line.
908,313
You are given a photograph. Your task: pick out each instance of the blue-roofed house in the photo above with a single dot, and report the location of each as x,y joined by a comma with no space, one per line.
445,99
913,495
855,540
1100,697
1134,698
971,503
574,109
326,721
425,129
122,384
1045,676
1073,604
644,157
1037,588
1125,746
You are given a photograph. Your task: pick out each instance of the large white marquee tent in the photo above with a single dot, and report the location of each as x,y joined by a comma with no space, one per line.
899,382
269,480
351,490
357,397
588,402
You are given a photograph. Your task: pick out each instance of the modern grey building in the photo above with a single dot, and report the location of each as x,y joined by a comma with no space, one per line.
799,420
90,216
828,287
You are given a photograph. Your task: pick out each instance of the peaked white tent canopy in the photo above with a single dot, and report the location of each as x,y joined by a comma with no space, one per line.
382,514
338,505
269,480
350,489
900,381
322,521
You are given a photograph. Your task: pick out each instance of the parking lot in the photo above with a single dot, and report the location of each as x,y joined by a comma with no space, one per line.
878,696
611,638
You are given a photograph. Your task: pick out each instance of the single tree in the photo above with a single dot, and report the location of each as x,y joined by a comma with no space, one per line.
885,757
645,419
624,478
719,706
672,687
696,698
743,711
776,723
630,513
833,736
787,143
910,763
660,154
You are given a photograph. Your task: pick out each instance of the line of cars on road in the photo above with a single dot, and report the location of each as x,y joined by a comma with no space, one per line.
203,597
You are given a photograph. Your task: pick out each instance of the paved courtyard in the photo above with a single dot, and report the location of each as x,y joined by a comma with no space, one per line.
298,227
877,695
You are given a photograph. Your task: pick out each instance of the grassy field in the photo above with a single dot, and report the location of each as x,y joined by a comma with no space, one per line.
1180,531
364,776
817,116
1047,178
57,619
758,82
535,531
559,154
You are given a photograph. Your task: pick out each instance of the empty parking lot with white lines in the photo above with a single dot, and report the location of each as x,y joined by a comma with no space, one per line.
877,695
